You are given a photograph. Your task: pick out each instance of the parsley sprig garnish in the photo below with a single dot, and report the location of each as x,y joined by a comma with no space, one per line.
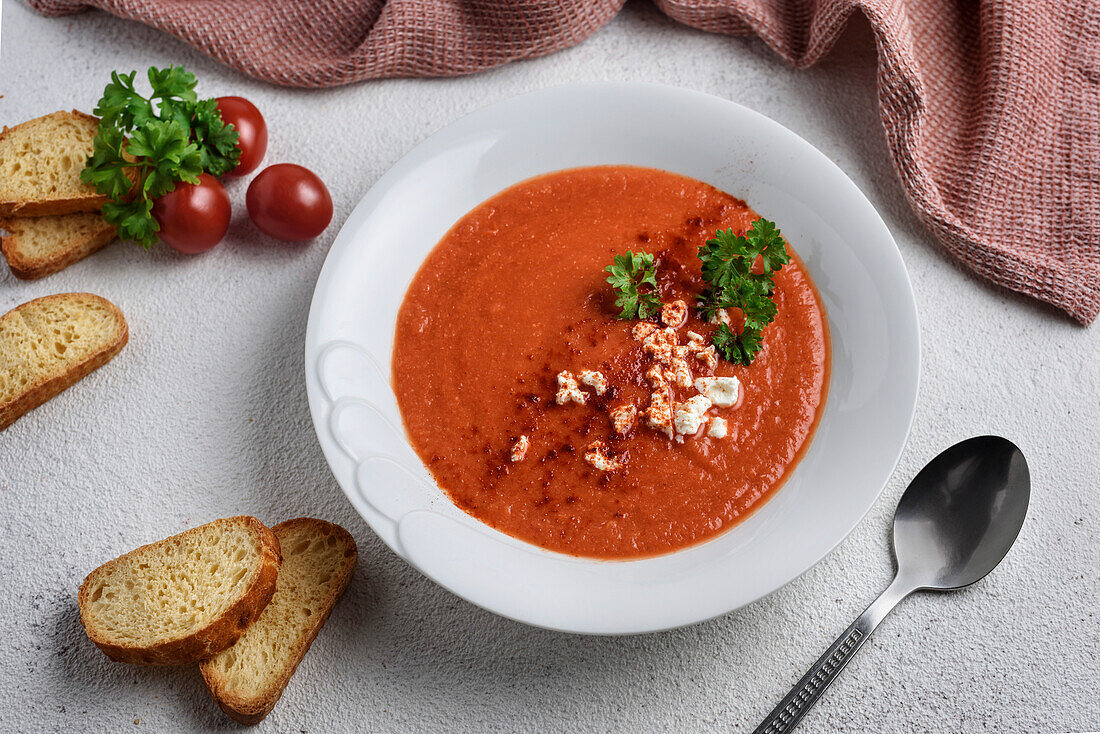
728,261
145,145
634,276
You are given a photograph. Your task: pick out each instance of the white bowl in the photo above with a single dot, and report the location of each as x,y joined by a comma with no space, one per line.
842,240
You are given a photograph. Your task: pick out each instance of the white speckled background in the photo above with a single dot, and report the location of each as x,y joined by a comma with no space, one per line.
204,415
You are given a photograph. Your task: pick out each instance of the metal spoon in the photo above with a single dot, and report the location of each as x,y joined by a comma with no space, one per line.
954,524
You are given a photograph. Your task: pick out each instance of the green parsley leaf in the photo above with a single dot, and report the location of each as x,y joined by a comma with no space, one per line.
711,301
106,169
752,295
725,342
729,258
765,242
634,276
175,81
738,348
217,141
159,139
725,258
135,219
754,299
121,106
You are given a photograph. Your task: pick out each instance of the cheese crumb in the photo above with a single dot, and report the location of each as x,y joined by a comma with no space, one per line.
622,418
659,413
596,456
722,391
717,428
708,356
519,448
695,341
660,345
655,376
721,316
691,414
568,390
679,373
595,380
674,314
642,330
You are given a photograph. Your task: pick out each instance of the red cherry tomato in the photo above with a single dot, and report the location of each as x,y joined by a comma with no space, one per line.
251,130
193,217
289,203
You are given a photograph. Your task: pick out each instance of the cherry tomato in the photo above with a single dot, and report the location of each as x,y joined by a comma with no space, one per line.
289,203
193,217
251,129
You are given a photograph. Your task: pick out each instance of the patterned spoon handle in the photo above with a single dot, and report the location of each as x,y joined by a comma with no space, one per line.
805,693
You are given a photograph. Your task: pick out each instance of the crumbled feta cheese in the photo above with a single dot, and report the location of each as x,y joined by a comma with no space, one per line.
622,417
519,448
721,316
708,356
717,428
643,329
691,414
722,391
674,314
695,341
568,390
655,376
595,380
659,413
660,345
596,455
679,373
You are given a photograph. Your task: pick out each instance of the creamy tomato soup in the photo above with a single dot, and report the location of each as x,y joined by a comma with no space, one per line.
516,294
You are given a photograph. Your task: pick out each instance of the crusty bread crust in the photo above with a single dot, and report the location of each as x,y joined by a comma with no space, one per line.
57,206
220,634
248,710
12,410
27,268
91,202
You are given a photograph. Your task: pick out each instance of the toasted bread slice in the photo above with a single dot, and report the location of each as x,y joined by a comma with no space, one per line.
318,559
40,165
184,598
38,246
49,343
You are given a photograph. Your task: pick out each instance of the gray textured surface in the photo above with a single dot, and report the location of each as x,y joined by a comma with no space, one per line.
204,415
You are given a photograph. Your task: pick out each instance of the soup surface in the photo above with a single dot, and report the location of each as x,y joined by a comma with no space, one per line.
516,293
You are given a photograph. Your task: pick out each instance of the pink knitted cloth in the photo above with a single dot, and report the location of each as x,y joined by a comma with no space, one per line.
991,109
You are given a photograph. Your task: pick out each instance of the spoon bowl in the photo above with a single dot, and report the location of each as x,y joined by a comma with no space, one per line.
961,514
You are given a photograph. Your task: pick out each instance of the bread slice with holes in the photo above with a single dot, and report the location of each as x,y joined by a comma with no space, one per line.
40,165
50,343
184,598
39,246
318,560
